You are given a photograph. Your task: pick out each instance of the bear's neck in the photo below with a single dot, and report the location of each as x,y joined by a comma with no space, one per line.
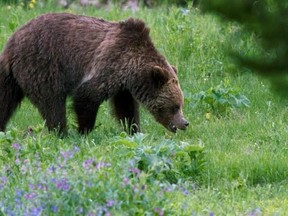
141,90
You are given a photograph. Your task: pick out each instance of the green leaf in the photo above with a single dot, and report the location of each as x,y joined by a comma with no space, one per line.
193,148
127,143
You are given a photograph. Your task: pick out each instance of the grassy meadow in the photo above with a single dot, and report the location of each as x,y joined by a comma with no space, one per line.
232,160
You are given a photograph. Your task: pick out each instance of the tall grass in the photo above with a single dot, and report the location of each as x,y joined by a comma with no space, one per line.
231,162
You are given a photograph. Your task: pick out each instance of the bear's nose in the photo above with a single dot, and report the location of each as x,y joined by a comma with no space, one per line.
186,123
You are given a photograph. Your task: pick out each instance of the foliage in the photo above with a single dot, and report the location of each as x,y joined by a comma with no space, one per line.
167,160
268,19
220,99
54,188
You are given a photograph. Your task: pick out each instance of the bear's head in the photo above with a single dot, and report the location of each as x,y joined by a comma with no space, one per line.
167,103
153,81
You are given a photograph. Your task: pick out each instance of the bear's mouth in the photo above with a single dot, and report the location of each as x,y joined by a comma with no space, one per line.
172,127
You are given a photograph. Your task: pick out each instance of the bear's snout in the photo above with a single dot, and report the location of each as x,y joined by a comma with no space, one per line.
186,123
178,123
183,124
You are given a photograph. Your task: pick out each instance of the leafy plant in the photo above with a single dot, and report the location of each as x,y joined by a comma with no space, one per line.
220,99
167,160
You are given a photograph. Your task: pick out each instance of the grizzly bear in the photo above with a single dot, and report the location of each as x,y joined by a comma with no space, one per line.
92,60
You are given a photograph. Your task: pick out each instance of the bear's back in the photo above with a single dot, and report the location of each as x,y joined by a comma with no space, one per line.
63,44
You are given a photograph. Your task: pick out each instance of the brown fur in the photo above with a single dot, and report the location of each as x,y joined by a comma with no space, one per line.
92,60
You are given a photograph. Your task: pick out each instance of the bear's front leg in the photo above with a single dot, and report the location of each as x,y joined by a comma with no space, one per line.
126,110
86,112
53,111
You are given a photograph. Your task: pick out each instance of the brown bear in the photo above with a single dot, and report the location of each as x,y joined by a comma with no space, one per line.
92,60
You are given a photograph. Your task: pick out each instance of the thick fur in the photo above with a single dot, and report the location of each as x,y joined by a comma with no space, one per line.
90,59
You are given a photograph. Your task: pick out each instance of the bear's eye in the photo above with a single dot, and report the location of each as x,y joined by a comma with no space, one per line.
175,109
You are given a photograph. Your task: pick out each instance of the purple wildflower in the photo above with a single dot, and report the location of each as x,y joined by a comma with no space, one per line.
4,179
90,184
43,205
90,164
17,200
110,203
52,169
31,186
16,146
126,181
102,165
76,149
33,212
80,210
42,187
67,155
9,212
159,212
62,184
102,210
17,161
18,193
36,211
135,170
185,191
23,169
135,189
255,212
87,163
30,195
167,189
39,186
54,208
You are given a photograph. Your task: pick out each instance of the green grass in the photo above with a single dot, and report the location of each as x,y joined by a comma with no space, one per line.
231,162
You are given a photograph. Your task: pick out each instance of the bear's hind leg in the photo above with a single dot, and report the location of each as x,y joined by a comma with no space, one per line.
126,110
11,96
86,111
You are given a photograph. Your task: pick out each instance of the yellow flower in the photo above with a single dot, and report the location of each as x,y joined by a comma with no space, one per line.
208,115
33,1
31,5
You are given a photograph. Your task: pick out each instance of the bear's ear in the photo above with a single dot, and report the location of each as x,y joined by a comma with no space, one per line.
174,69
133,27
159,75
